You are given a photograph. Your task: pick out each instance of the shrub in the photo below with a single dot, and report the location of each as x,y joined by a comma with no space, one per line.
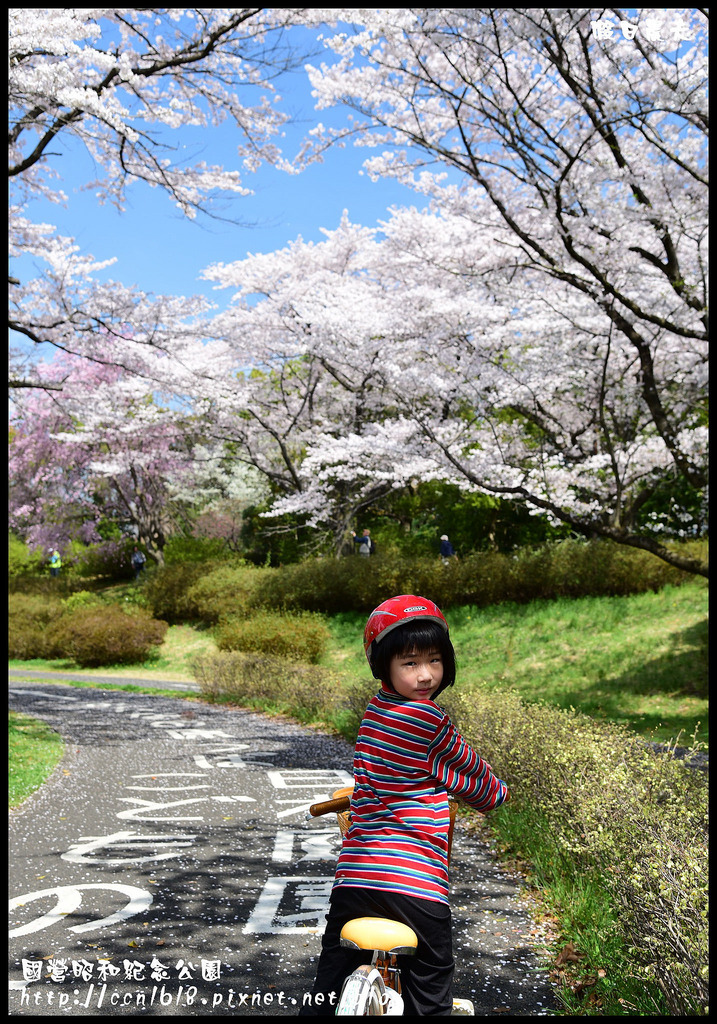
47,586
182,550
109,558
166,592
575,568
303,636
317,584
607,802
265,682
108,635
309,693
569,568
228,591
20,559
29,618
211,591
81,599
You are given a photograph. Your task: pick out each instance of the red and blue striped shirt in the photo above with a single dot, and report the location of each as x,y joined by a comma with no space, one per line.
408,757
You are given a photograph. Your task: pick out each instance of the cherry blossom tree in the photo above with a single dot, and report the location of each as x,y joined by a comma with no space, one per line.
48,504
122,83
281,392
105,448
569,161
413,356
538,332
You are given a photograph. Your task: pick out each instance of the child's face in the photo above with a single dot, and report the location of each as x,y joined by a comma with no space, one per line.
417,675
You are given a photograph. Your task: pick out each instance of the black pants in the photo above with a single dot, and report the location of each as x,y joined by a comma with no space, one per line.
426,977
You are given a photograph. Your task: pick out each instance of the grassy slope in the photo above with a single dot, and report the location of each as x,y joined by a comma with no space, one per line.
641,660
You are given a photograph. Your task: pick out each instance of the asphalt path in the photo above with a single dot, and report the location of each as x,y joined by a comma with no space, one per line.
167,868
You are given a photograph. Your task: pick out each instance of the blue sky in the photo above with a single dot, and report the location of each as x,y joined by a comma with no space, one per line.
161,251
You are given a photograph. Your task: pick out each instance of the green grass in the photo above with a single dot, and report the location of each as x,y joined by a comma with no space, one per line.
639,660
34,751
602,981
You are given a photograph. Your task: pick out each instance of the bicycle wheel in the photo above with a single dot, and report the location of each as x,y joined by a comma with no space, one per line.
363,994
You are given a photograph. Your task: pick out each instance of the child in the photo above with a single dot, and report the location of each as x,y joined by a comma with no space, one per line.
394,859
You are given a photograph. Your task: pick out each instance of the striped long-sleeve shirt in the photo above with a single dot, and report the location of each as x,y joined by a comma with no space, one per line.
408,757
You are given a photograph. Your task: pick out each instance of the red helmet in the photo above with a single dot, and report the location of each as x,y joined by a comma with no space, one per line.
396,611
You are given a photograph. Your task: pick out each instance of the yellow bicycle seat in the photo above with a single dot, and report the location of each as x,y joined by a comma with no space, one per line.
379,933
344,791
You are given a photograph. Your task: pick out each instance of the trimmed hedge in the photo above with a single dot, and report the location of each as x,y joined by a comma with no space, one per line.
228,591
301,637
108,635
561,569
212,591
166,592
29,619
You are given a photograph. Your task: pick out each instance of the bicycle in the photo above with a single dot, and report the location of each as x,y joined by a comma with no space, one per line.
374,989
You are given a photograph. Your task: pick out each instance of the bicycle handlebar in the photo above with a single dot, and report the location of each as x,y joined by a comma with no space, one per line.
342,803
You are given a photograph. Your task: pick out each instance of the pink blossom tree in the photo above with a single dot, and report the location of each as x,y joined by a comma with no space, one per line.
542,334
104,447
417,358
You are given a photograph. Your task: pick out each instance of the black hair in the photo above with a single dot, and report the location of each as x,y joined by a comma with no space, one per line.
414,635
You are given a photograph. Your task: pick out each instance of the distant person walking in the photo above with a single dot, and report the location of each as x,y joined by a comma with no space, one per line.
366,545
55,562
138,561
447,551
